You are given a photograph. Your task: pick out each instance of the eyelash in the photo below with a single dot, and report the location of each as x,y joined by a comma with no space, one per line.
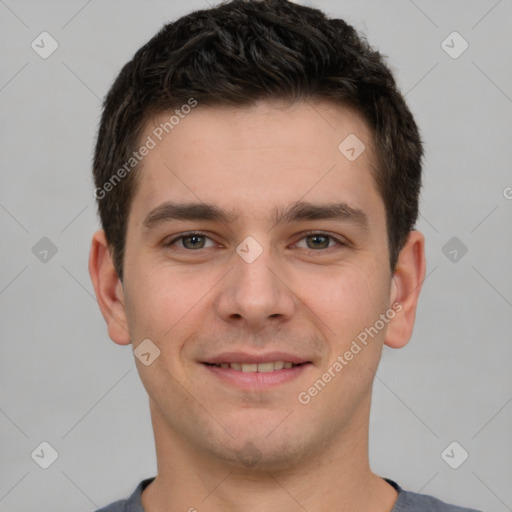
305,235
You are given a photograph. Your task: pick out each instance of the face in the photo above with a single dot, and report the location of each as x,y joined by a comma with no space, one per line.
287,266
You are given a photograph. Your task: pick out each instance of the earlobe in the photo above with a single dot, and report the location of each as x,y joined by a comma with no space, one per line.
405,289
109,289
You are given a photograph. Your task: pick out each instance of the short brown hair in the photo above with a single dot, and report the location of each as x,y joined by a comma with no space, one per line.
236,54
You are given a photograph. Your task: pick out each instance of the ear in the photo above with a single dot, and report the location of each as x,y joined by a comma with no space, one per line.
109,289
405,290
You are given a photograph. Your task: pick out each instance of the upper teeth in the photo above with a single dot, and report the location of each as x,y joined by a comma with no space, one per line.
257,367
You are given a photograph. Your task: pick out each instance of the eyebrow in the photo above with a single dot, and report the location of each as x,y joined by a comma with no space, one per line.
299,211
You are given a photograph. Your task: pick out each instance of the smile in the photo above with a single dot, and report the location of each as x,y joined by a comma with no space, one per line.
270,366
253,376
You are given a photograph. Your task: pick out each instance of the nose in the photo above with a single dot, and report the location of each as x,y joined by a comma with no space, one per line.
256,292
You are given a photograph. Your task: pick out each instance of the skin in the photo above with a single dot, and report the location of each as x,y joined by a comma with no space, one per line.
303,295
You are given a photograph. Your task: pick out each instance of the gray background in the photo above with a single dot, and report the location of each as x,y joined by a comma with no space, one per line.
64,382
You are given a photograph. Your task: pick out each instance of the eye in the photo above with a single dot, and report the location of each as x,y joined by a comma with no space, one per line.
191,241
317,241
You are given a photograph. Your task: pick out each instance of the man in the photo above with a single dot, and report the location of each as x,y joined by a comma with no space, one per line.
257,175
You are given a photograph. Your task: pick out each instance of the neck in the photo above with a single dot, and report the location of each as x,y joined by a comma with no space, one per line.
337,478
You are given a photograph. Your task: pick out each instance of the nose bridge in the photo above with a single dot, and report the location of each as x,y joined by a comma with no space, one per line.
254,290
253,270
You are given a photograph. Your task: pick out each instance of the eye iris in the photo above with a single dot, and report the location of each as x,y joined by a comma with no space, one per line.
321,245
194,245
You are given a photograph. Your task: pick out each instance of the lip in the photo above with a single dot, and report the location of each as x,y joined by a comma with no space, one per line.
256,381
245,357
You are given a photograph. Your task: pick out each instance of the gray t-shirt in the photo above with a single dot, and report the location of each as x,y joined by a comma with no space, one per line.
406,502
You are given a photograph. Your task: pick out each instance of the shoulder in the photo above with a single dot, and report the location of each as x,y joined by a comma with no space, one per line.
117,506
412,502
131,504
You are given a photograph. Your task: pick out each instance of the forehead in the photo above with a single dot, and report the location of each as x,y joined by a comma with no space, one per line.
254,159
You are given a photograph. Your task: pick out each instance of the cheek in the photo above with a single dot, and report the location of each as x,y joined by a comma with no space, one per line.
152,308
347,300
167,307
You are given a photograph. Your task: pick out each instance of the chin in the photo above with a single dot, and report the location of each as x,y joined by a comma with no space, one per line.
258,448
255,456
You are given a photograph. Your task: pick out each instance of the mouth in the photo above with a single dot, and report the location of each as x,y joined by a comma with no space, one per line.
266,367
253,372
